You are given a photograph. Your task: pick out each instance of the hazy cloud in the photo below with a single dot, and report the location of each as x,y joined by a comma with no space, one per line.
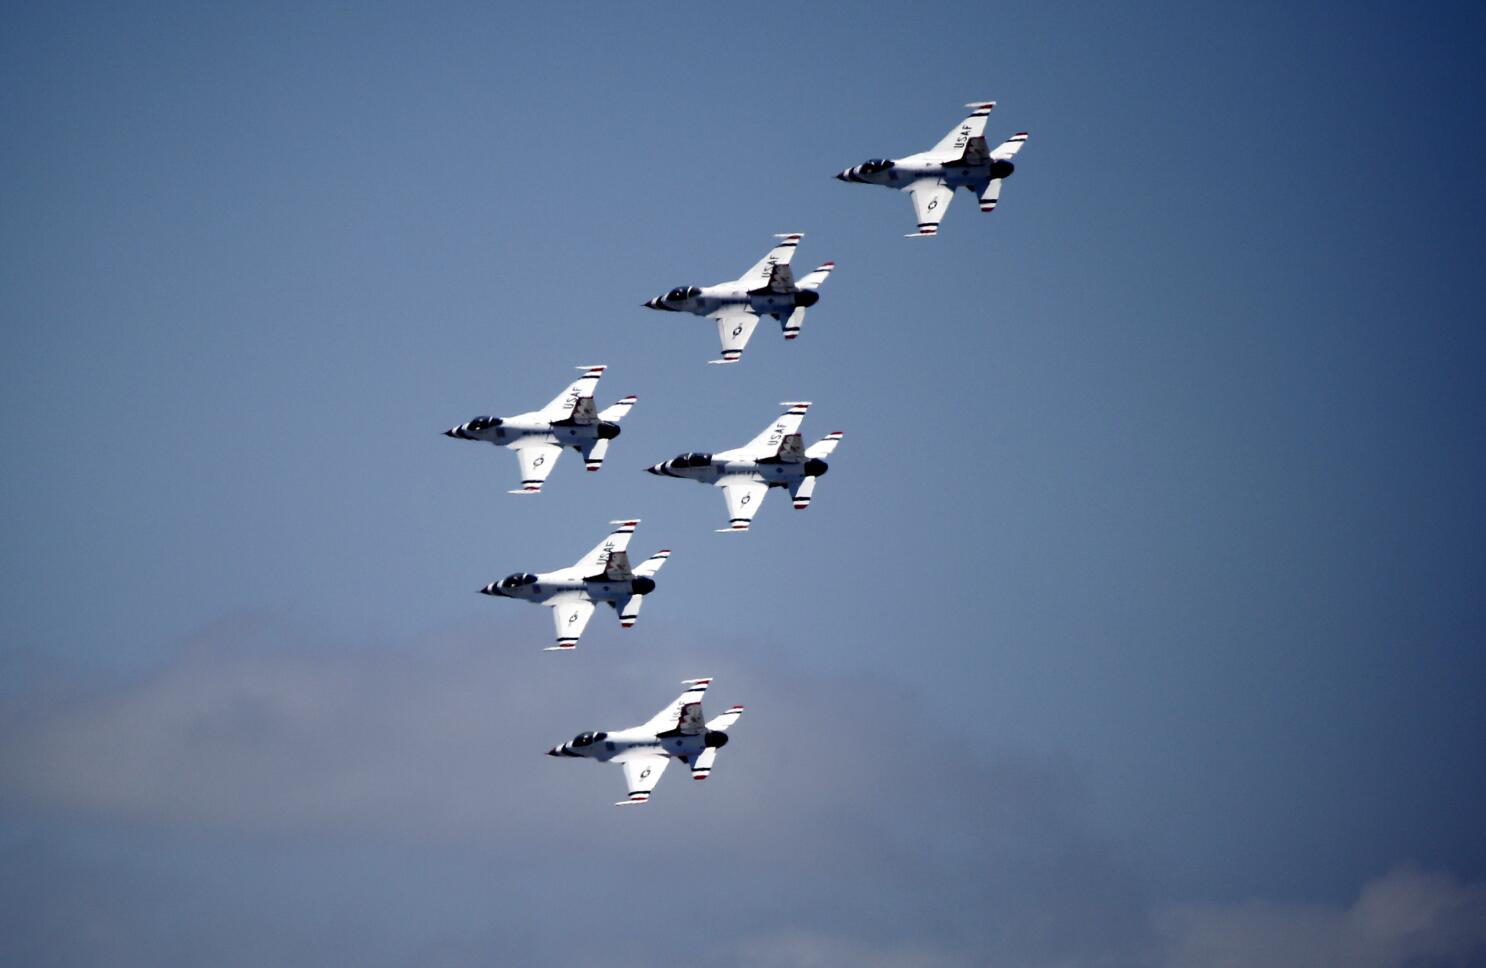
259,798
1405,919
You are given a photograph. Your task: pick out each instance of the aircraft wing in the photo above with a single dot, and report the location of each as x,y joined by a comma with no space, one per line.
565,403
642,771
537,458
570,615
616,568
779,255
772,437
931,198
781,279
952,146
683,716
745,496
597,560
734,326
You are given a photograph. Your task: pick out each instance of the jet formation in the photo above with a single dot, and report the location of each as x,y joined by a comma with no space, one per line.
767,289
539,436
774,458
677,732
602,576
961,159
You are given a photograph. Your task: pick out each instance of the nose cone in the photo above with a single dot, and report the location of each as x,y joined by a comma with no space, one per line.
654,469
490,589
652,303
449,432
555,751
843,175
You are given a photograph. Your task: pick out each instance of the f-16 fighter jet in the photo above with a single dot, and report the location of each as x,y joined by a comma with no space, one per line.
603,575
676,732
960,160
538,437
775,458
769,288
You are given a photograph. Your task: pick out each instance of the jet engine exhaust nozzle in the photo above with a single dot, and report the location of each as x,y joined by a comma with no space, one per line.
815,467
643,585
715,739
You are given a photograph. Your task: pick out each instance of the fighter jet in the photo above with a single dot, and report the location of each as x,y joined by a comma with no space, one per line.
603,575
538,437
769,288
775,458
959,160
676,732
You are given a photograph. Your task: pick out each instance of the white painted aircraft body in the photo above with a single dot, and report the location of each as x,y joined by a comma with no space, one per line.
767,289
961,159
540,436
603,576
775,458
677,732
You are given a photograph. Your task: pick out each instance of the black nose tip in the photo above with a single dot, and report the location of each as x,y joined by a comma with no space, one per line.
489,590
448,433
841,176
553,752
653,470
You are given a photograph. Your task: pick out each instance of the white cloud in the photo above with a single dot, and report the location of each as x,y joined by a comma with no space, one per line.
1405,919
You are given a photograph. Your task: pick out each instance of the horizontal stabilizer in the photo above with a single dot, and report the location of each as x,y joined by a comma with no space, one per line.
593,455
1008,148
801,491
822,448
616,413
651,565
815,277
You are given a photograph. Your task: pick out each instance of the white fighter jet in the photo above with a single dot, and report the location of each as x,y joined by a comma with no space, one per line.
539,437
775,458
960,160
769,288
603,575
676,732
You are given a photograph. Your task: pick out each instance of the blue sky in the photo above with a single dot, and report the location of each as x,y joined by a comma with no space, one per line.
1149,571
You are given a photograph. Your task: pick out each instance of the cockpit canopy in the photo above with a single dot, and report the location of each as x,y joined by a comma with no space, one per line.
692,460
683,292
517,580
587,739
874,165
